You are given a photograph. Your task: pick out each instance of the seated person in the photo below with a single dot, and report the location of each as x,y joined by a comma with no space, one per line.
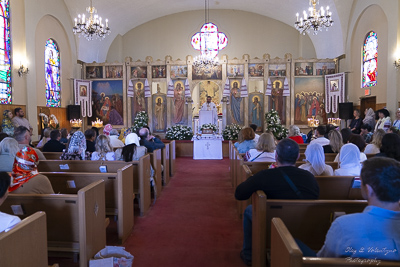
54,144
378,225
245,140
104,150
335,142
76,148
8,150
294,134
256,136
25,176
114,140
45,138
64,136
90,136
264,151
284,182
376,143
366,133
390,146
358,140
6,221
149,141
315,158
319,133
132,151
346,133
349,161
23,137
356,122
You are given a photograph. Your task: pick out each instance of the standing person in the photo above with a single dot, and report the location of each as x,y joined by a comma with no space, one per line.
19,119
378,224
54,144
23,137
356,122
90,136
6,221
384,121
369,117
7,126
284,182
210,106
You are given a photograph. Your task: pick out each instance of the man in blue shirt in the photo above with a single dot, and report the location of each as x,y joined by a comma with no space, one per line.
374,233
149,141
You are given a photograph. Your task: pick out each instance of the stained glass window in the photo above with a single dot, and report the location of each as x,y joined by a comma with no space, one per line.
370,60
209,41
5,54
52,73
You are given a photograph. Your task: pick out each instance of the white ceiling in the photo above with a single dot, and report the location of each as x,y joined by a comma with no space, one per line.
125,15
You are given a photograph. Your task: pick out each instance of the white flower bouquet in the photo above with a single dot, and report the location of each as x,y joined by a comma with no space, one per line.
231,132
140,121
274,125
179,132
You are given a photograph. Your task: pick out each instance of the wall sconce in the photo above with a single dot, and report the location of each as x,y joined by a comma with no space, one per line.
397,63
22,70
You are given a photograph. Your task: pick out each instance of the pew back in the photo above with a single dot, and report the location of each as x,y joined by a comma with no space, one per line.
75,223
28,236
172,157
165,161
155,159
307,220
52,155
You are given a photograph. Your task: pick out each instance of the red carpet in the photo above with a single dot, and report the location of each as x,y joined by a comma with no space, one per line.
193,223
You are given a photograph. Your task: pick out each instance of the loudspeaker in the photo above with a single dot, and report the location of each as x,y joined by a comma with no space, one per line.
73,112
346,110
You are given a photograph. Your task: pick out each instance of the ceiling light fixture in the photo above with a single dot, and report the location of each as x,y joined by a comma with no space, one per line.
315,20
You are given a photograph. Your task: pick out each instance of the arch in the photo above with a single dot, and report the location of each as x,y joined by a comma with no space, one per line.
52,73
5,54
370,60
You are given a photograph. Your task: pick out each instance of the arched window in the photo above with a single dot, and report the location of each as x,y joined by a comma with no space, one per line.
5,54
52,74
370,60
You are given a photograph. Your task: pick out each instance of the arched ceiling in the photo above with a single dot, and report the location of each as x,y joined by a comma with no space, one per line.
125,15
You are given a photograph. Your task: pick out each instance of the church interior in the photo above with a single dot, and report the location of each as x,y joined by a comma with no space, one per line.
148,59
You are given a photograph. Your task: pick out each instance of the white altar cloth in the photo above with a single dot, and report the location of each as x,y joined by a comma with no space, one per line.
207,147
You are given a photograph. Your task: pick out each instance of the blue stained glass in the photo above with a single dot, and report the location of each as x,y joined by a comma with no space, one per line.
370,60
52,74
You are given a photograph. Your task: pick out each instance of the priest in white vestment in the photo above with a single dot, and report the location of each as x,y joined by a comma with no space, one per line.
211,106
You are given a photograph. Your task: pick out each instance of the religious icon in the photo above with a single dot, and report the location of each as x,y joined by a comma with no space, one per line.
235,102
139,100
159,114
256,109
256,70
179,101
334,85
83,90
139,72
178,72
159,71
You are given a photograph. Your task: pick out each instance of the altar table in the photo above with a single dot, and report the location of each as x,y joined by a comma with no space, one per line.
207,147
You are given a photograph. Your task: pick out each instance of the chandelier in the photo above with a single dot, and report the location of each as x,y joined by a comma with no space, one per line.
209,41
92,27
315,20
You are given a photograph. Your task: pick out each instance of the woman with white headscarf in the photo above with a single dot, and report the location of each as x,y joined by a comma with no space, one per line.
369,118
76,148
132,149
349,161
315,158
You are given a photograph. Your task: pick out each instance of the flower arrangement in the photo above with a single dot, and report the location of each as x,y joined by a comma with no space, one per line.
209,126
274,125
179,132
141,120
52,123
231,132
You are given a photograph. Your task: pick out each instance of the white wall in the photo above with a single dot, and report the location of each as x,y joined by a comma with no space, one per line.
248,33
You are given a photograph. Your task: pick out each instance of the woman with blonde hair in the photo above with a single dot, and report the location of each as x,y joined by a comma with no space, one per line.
104,150
315,159
294,134
335,142
264,151
8,150
246,140
376,143
46,137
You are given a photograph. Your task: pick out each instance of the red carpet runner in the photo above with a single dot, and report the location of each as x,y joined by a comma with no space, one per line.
193,223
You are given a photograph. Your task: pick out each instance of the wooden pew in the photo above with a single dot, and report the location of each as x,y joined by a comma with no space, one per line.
172,157
286,253
75,223
329,157
244,174
28,237
118,192
231,160
52,155
141,174
259,166
165,161
307,220
155,159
